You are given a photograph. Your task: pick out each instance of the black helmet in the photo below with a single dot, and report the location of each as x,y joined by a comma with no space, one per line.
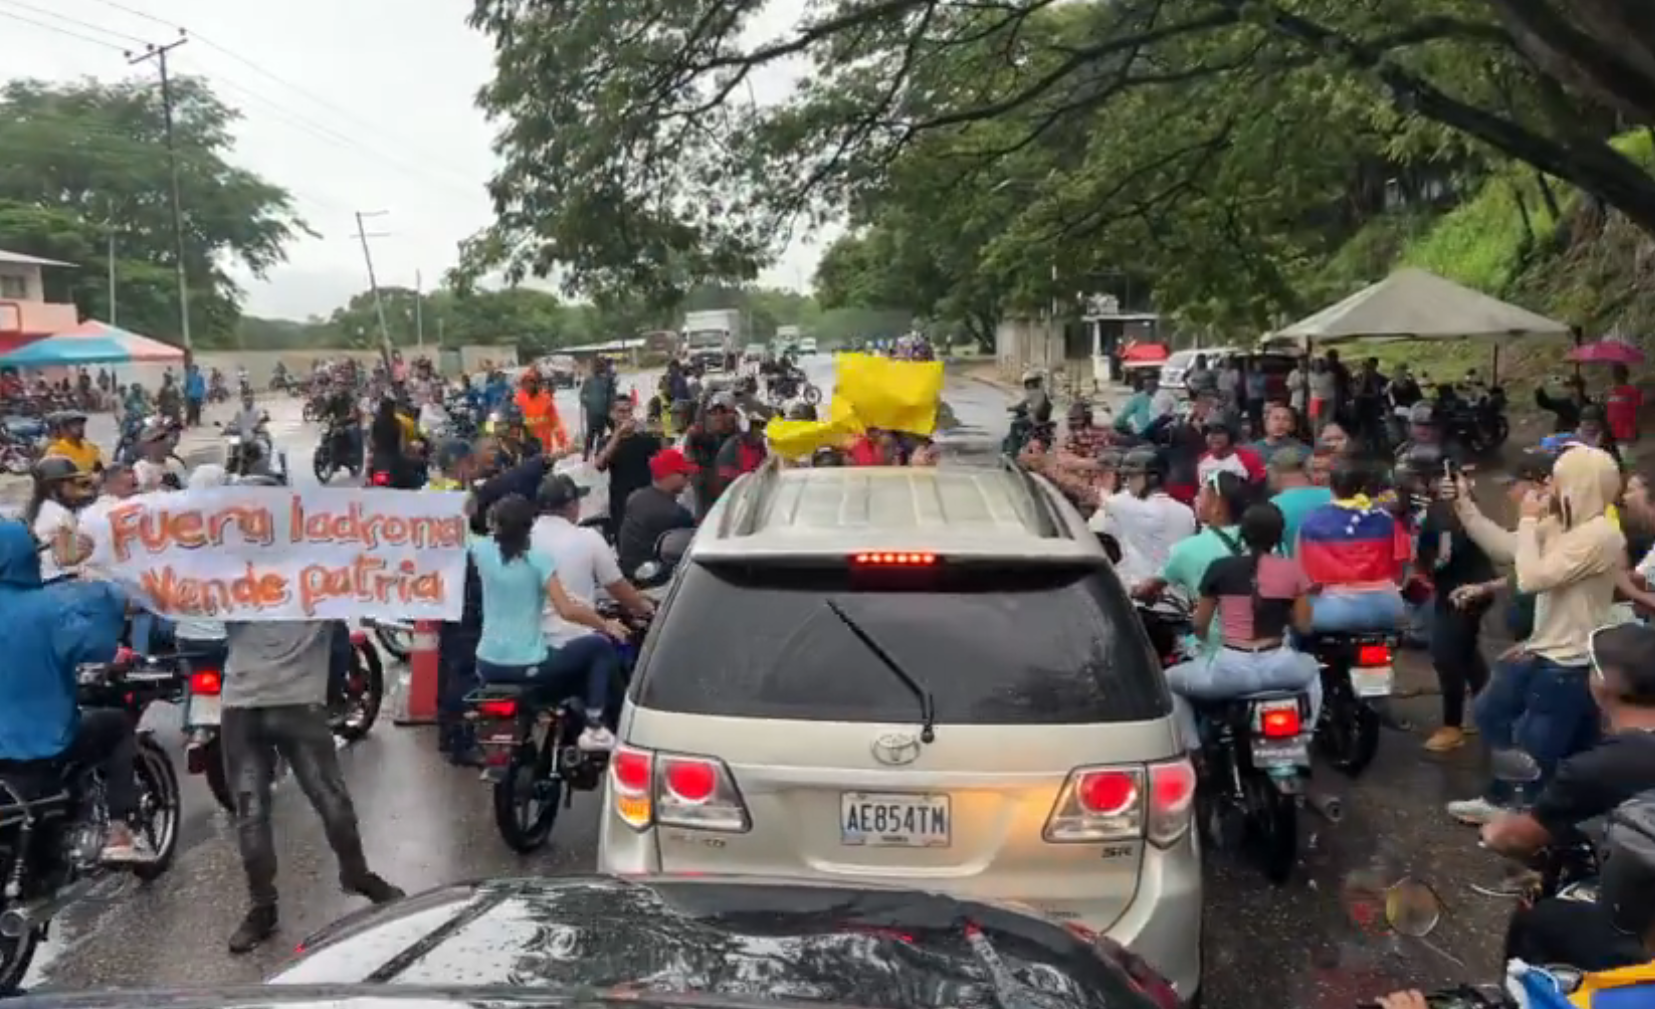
827,457
1110,458
1080,409
1422,459
55,468
1627,882
1221,421
801,411
1422,414
1141,460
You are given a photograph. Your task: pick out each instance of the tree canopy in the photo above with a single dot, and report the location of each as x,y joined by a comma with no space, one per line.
82,162
1012,153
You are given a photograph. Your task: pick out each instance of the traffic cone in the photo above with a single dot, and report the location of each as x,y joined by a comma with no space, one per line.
419,699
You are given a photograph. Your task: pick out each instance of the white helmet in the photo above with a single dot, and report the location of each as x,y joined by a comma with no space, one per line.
1031,375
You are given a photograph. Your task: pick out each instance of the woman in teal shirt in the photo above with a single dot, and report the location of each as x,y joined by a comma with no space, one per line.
518,581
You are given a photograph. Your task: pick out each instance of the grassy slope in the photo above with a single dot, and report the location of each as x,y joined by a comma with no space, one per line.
1578,268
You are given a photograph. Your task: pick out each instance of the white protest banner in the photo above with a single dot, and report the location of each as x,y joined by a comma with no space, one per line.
281,553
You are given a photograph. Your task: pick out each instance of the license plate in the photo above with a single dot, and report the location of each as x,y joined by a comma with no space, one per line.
1372,681
204,711
877,820
1269,753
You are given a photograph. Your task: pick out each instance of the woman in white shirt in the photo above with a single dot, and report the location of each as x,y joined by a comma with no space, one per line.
61,489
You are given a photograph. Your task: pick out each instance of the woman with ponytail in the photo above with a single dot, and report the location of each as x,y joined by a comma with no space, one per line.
1258,597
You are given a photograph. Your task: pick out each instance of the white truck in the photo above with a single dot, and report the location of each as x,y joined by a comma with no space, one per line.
711,338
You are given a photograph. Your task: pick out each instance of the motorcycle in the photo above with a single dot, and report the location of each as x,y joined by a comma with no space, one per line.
395,636
1024,429
1479,426
670,548
793,385
53,817
352,710
246,454
1254,766
18,454
326,461
1357,679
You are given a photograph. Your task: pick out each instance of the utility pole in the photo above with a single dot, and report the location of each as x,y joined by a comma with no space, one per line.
114,314
159,55
373,282
419,312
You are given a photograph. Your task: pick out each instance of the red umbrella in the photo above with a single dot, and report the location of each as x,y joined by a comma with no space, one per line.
1607,351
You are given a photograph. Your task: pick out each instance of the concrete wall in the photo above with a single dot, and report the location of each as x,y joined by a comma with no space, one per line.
21,282
1021,344
261,364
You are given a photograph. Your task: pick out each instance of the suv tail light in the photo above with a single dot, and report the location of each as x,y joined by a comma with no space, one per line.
206,683
660,788
1373,655
1124,803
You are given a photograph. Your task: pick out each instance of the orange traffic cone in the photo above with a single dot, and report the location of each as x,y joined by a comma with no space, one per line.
420,699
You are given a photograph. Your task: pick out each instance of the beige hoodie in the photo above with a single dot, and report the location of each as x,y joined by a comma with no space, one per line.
1569,559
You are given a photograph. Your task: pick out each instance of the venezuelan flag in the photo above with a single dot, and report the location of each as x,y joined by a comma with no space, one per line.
1352,543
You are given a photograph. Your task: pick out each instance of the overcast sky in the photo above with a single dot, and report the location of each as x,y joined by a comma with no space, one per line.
349,104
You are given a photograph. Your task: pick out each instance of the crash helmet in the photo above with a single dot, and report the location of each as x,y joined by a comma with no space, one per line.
1627,877
1110,458
1031,377
1222,421
1080,410
1422,415
801,411
54,469
827,457
1142,461
1421,460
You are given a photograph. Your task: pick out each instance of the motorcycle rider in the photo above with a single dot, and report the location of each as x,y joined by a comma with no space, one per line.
1223,454
157,468
512,436
1256,596
1355,553
519,582
1568,551
343,430
1035,399
61,489
1295,492
654,510
1625,913
1586,786
48,632
1144,520
1218,507
71,442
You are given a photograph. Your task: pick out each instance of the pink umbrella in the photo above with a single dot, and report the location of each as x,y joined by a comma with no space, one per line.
1608,350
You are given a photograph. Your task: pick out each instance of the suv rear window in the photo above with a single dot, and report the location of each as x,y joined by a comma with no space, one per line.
993,646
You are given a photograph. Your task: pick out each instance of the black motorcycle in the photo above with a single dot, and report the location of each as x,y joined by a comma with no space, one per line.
1024,429
1479,427
53,816
1357,679
337,450
353,707
1254,764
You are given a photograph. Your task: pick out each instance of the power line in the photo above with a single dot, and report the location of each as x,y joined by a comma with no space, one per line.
67,19
274,77
61,31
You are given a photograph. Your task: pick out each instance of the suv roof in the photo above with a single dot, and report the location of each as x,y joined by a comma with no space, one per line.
964,512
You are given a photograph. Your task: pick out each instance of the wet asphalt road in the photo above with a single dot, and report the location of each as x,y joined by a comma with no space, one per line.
1303,945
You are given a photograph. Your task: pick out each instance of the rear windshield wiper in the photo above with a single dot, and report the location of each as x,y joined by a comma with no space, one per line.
927,703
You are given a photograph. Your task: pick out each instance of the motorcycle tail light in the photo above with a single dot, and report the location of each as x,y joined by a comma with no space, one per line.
1373,655
498,711
381,478
1280,722
207,683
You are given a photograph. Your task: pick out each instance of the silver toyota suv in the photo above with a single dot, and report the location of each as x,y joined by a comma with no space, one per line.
920,676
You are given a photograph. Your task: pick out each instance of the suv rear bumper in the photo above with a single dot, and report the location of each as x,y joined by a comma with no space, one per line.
1162,924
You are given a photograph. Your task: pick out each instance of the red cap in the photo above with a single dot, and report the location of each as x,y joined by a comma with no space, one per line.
670,462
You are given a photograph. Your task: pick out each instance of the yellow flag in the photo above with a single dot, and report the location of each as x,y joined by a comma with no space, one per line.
887,394
799,439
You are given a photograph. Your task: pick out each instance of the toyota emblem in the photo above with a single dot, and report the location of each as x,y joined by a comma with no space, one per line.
896,749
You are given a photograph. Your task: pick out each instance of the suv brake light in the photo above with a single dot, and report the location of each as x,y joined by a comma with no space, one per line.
895,560
667,789
1373,655
206,683
1124,803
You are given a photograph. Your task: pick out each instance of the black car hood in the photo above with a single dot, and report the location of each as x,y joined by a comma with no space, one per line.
709,938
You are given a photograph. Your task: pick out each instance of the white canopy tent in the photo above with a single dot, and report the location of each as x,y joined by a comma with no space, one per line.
1413,304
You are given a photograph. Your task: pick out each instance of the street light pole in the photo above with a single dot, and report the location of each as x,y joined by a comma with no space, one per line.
159,55
373,283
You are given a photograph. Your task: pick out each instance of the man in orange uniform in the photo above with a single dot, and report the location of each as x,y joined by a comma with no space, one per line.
540,413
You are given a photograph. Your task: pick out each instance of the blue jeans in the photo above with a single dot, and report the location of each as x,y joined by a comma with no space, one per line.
1368,610
1229,672
1540,707
583,667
